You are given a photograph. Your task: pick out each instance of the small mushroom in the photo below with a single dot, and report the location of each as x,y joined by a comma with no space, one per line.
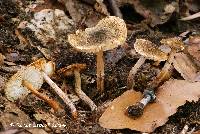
75,69
109,33
149,94
31,78
147,50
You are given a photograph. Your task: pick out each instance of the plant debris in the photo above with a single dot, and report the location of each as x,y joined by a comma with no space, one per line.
169,98
35,44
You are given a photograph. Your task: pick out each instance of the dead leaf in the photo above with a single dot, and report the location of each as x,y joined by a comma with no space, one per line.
37,131
13,116
170,96
194,47
51,26
2,57
185,67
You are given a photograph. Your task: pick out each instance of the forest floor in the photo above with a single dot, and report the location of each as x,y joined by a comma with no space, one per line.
143,21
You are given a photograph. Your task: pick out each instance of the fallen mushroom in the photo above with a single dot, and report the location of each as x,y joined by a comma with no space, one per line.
75,69
109,33
15,90
147,50
149,94
32,77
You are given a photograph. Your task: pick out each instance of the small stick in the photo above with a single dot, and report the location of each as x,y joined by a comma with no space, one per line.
51,102
133,71
185,129
62,95
80,93
115,8
191,17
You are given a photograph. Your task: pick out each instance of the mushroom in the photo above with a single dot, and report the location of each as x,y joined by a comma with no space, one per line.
75,69
147,50
137,110
31,78
109,33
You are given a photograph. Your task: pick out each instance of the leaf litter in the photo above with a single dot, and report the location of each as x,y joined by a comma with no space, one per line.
170,96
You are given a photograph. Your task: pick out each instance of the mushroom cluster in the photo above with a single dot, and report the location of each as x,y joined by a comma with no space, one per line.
109,33
146,48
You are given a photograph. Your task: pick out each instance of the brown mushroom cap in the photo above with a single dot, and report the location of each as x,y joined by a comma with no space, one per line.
149,50
109,33
69,70
173,43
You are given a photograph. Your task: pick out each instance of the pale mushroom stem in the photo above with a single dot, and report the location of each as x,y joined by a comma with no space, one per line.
80,93
62,95
137,109
51,102
133,71
100,71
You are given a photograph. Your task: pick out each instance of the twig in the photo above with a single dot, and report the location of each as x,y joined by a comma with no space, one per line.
115,8
185,129
191,17
62,95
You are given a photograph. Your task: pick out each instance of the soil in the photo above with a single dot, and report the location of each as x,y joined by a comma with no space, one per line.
116,71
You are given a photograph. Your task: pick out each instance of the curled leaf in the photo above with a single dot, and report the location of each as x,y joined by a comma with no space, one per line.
170,96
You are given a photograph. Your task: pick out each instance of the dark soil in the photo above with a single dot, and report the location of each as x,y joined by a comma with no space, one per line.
116,72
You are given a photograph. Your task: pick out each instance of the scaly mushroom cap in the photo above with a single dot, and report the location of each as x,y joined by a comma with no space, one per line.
149,50
109,33
69,70
32,74
173,43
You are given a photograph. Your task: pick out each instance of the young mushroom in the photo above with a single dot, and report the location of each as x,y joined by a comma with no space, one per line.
149,94
75,69
147,50
109,33
31,79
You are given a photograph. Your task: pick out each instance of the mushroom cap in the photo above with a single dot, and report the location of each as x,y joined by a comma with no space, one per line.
15,90
69,70
173,43
109,33
32,73
43,65
149,50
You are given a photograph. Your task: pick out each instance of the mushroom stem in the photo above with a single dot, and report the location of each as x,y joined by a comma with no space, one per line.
51,102
136,110
100,71
62,95
133,71
80,93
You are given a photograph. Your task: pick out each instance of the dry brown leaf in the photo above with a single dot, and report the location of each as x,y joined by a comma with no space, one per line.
2,57
170,96
13,116
194,47
185,67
